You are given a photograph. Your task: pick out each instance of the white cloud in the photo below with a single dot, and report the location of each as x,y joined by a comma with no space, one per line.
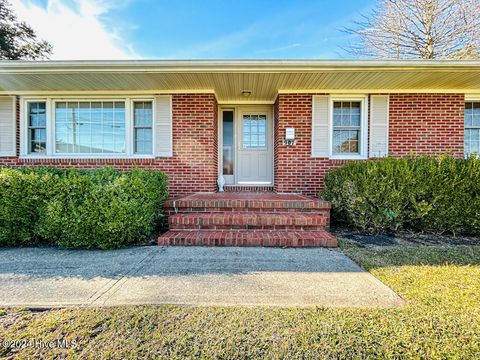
75,32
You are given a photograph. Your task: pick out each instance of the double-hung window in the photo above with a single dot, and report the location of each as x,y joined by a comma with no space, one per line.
142,123
347,128
472,127
37,127
340,126
89,128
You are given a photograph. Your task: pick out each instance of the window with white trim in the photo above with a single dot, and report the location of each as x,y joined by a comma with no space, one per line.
94,128
90,127
472,127
142,123
37,127
346,127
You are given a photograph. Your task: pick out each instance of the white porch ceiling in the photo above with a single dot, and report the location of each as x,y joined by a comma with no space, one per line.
228,78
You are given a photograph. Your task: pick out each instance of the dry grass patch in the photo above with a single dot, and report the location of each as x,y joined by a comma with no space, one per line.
440,320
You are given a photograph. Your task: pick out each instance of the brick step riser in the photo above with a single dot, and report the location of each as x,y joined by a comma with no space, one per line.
237,188
247,220
218,239
249,208
243,243
290,219
247,227
325,214
170,211
254,205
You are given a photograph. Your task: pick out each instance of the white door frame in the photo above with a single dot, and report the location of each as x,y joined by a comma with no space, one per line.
237,109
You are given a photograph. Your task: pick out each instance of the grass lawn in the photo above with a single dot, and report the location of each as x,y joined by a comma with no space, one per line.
441,319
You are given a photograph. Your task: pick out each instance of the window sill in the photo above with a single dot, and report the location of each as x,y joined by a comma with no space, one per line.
348,157
86,157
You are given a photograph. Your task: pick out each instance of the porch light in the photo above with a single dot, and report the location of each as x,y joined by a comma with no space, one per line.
246,93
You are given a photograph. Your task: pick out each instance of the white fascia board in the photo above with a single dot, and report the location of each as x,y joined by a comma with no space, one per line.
473,92
72,66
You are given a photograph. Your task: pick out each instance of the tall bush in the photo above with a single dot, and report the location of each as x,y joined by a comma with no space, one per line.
22,195
420,193
102,208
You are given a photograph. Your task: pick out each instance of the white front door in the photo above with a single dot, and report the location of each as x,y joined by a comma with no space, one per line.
254,146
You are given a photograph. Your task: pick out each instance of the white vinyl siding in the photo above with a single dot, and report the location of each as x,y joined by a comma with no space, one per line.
379,125
7,126
320,127
163,126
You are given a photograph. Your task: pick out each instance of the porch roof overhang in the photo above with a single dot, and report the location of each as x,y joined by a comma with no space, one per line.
228,78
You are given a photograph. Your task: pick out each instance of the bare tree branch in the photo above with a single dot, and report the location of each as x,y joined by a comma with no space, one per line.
424,29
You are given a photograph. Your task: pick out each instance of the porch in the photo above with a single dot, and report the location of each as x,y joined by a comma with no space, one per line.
248,219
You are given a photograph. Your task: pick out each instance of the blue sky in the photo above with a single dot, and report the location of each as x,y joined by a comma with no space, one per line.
112,29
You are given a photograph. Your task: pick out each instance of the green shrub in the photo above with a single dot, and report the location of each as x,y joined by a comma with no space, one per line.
418,193
22,195
102,208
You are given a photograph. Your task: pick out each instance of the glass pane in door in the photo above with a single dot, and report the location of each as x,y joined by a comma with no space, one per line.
228,147
254,131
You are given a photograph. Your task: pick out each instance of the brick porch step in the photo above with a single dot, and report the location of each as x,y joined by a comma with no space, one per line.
275,238
242,201
236,188
249,220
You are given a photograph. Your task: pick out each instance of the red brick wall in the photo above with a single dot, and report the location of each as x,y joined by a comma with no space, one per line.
193,166
295,168
419,123
426,124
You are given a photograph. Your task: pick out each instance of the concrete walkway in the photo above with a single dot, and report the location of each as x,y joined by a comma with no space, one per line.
47,277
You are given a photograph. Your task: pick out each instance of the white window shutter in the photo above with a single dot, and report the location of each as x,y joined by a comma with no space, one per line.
7,126
320,126
163,126
378,125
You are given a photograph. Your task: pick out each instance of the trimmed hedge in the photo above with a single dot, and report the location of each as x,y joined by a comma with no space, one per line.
437,195
22,195
72,208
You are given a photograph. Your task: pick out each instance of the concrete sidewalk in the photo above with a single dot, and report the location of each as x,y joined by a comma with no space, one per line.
48,277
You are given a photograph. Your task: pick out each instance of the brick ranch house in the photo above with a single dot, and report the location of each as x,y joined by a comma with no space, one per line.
255,125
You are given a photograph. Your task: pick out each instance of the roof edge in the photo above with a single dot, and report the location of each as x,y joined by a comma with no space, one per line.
219,65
